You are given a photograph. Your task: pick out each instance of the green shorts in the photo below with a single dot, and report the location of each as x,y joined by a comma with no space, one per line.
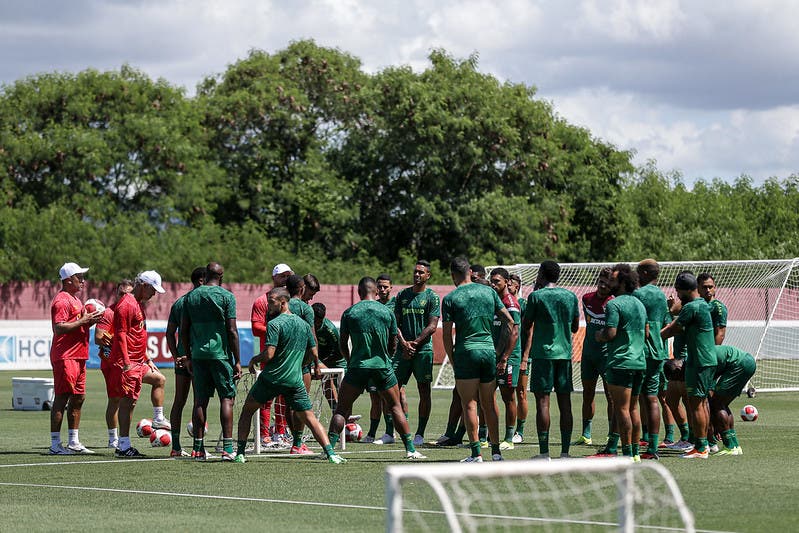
592,366
664,383
547,375
621,377
511,376
420,366
699,380
182,371
654,370
296,396
733,382
476,364
212,375
362,378
335,363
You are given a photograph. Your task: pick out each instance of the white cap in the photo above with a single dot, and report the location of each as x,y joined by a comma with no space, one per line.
153,278
281,269
70,269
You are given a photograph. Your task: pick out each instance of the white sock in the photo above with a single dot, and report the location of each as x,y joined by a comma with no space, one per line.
112,434
55,438
124,443
73,436
158,413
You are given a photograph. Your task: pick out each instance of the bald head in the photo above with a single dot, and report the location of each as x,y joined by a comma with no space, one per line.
367,288
213,273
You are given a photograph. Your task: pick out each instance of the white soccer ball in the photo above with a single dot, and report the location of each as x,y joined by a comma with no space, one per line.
353,432
91,305
160,438
190,429
749,413
144,428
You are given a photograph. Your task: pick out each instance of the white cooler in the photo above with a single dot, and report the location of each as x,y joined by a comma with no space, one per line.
32,394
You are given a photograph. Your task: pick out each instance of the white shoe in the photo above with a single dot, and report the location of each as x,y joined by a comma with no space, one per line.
113,443
542,457
353,418
385,439
713,448
77,447
368,439
414,455
162,424
682,446
497,457
517,438
505,445
470,459
60,450
418,440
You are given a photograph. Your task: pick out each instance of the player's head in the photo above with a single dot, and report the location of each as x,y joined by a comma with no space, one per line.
72,277
478,271
198,276
125,286
548,272
421,272
706,286
674,370
311,287
277,301
383,287
280,274
624,280
214,273
515,284
603,282
459,269
499,279
319,314
686,286
295,285
146,284
367,287
648,271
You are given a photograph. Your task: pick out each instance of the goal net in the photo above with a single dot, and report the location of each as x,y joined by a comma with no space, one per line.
320,399
762,299
567,495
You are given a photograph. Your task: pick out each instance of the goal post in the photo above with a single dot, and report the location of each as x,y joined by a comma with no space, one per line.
762,299
563,495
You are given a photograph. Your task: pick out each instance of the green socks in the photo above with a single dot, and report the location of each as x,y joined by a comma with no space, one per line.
543,442
422,425
520,426
329,450
451,428
565,441
407,440
242,447
653,443
476,449
389,424
227,445
333,438
587,428
509,430
669,433
684,432
198,445
613,443
374,423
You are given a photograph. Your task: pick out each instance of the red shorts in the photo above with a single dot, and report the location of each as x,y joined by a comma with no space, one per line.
112,388
129,382
69,376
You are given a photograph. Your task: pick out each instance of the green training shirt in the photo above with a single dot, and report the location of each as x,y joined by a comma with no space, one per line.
413,311
302,310
657,316
210,307
175,317
511,304
718,313
369,325
471,307
552,310
328,338
291,336
626,351
695,320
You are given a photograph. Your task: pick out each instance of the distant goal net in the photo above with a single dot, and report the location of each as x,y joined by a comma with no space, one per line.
762,299
568,495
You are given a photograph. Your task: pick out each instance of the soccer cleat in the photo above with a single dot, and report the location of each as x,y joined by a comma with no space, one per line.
240,458
636,458
414,455
484,444
649,456
713,448
179,454
353,418
470,459
60,450
505,445
582,440
162,424
130,453
385,439
643,443
694,454
336,459
665,444
542,457
445,440
518,438
301,450
369,439
602,454
113,443
418,440
565,455
202,455
682,446
730,451
77,447
497,457
228,456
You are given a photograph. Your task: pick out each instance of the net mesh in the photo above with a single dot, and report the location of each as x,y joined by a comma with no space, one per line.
762,299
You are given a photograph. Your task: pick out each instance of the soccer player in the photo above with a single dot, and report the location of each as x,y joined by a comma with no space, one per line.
373,330
289,340
657,316
625,332
182,376
311,288
508,380
417,310
103,338
555,313
471,308
129,357
700,364
718,311
327,337
384,287
258,317
211,341
68,354
515,288
675,395
594,355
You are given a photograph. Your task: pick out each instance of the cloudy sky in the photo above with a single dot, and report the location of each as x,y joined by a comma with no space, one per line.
706,88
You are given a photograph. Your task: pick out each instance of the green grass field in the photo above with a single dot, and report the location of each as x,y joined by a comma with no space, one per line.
754,492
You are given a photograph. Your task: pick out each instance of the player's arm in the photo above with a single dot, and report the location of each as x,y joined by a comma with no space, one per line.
719,333
446,330
258,320
185,337
312,355
171,337
264,357
427,332
233,343
671,330
61,328
344,343
606,334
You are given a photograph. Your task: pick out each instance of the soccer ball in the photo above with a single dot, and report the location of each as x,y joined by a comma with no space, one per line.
353,432
190,429
91,305
144,428
160,437
749,413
